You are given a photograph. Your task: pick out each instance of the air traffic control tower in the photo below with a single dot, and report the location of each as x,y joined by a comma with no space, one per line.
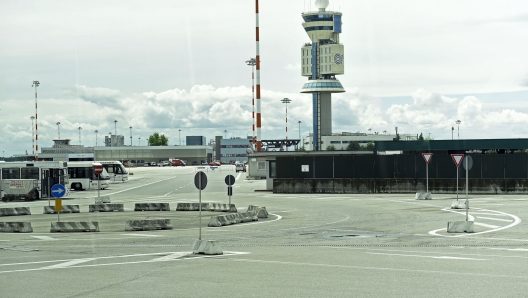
322,60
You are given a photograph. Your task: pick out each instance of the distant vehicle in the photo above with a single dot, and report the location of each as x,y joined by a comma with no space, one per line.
31,180
153,164
204,163
178,163
165,163
195,163
116,170
81,175
214,164
240,167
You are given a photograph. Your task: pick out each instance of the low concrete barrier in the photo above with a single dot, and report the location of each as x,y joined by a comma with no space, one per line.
65,209
222,207
260,211
460,227
148,224
459,204
106,208
207,247
74,226
152,207
233,218
192,207
15,211
423,196
16,227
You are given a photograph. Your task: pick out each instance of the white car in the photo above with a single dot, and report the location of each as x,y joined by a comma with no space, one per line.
153,163
240,167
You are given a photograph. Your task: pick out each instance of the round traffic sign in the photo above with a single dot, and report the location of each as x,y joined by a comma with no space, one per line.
98,169
200,180
469,161
230,179
58,190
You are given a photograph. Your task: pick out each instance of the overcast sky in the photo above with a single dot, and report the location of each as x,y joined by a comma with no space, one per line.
165,66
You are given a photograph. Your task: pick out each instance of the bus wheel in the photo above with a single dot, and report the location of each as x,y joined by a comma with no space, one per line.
76,186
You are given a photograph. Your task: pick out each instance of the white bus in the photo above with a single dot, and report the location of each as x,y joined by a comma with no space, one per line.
82,175
31,180
116,170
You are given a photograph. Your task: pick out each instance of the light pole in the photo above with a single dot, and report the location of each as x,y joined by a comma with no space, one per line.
286,101
58,129
115,128
225,134
36,84
452,131
139,140
179,136
130,135
300,131
252,62
80,128
32,134
458,128
96,137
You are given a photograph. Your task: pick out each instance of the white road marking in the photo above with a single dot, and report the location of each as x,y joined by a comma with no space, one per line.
44,237
497,219
68,264
486,225
142,235
430,257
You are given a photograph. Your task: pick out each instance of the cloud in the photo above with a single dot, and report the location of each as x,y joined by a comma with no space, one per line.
295,67
524,82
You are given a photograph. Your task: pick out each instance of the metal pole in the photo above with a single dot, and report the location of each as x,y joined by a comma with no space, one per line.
457,183
131,136
467,188
36,84
427,176
200,205
98,187
257,58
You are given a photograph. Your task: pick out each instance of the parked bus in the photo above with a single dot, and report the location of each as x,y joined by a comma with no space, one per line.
116,170
82,175
31,180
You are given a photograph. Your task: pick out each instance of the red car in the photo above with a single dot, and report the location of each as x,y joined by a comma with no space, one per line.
178,163
214,164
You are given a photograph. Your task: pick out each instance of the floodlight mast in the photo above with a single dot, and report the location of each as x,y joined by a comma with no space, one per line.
36,84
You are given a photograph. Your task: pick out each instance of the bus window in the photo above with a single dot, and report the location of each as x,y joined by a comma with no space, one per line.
11,173
30,173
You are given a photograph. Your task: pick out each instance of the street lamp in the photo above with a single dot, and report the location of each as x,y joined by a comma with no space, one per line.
58,129
139,140
80,135
225,134
115,128
36,84
286,101
130,135
96,137
179,136
300,130
32,134
458,128
252,62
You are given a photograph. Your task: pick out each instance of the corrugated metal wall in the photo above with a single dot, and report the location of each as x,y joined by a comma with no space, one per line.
410,166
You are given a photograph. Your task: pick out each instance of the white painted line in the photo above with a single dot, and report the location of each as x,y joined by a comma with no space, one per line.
486,225
487,213
44,237
497,219
142,235
69,263
430,257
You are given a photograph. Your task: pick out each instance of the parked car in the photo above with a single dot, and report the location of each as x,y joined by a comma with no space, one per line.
178,163
165,163
240,167
153,163
195,163
214,164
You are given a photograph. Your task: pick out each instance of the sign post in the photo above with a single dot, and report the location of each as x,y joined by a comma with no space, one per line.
457,159
58,191
200,181
230,180
427,158
98,170
468,164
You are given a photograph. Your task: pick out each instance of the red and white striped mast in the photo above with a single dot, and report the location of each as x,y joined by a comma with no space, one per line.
259,123
286,101
36,84
251,62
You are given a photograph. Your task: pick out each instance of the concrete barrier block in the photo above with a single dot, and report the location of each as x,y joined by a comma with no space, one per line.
102,200
65,209
232,208
460,227
74,226
15,211
459,204
423,196
214,222
260,211
192,207
148,224
106,208
207,247
16,227
183,207
151,207
223,220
